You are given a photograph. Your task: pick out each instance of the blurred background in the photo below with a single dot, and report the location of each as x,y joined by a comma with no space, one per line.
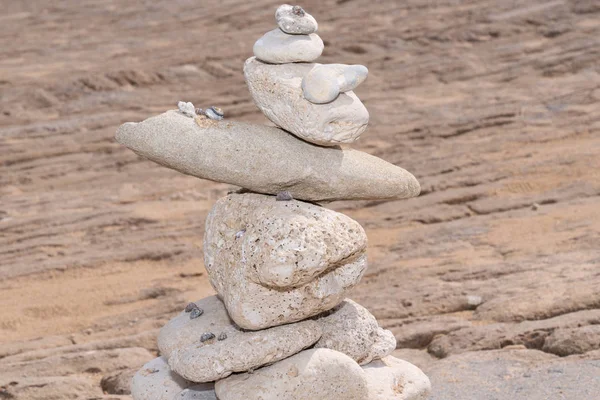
490,280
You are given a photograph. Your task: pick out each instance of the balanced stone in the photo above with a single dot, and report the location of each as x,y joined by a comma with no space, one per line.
342,120
234,153
351,329
156,381
311,374
278,47
324,83
294,20
393,379
276,262
238,351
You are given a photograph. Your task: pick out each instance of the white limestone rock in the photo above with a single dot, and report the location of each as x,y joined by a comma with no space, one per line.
156,381
312,374
351,329
275,262
265,159
295,21
393,379
230,349
187,109
202,391
278,47
342,120
324,83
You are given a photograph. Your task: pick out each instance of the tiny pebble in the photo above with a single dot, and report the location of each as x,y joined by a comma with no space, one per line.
239,234
190,307
222,336
284,196
214,113
207,336
535,206
187,109
196,312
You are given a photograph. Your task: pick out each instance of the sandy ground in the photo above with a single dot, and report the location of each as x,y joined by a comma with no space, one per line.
493,105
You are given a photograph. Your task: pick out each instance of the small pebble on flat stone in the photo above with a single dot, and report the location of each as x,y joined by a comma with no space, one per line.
284,196
222,336
295,21
187,109
196,312
190,307
207,336
215,113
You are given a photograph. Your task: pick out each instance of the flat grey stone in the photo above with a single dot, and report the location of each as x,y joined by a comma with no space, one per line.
342,120
275,262
393,379
237,351
278,47
312,374
294,20
156,381
264,159
325,82
202,391
351,329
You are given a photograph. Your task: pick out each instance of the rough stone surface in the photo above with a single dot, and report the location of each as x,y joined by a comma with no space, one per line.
156,381
278,47
351,329
513,374
212,359
564,342
495,106
324,83
118,382
203,391
277,262
295,21
233,152
393,379
342,120
311,374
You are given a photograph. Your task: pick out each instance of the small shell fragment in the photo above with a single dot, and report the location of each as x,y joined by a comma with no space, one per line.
284,196
196,312
214,113
207,336
187,109
222,336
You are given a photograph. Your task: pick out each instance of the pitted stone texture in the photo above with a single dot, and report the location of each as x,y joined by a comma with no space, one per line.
393,379
324,83
156,381
234,153
275,262
340,121
203,391
197,361
295,21
351,329
277,47
311,374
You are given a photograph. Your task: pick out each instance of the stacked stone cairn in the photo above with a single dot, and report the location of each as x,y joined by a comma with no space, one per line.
281,326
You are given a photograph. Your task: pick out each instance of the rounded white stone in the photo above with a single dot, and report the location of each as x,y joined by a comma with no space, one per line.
393,379
277,47
342,120
231,349
295,21
324,83
311,374
291,261
156,381
351,329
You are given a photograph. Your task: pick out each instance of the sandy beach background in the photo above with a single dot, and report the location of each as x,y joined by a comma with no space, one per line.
493,105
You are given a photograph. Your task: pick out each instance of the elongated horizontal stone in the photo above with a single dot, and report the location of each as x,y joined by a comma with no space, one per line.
265,159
